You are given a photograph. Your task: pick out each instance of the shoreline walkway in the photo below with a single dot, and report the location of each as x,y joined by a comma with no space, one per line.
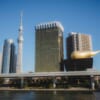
43,89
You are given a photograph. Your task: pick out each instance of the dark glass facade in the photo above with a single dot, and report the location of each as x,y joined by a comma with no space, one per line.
78,64
8,58
12,68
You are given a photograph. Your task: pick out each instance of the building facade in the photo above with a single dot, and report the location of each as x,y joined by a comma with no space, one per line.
12,59
78,64
49,47
78,42
8,57
0,62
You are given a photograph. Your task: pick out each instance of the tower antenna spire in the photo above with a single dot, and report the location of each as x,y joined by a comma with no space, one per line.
21,16
20,46
21,21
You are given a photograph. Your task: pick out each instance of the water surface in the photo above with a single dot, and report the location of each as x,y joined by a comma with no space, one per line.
48,95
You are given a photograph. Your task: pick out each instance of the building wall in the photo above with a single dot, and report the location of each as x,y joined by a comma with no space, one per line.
78,42
78,64
12,68
49,49
85,43
0,62
8,56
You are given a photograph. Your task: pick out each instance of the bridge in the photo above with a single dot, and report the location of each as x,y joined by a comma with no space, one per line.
21,76
51,74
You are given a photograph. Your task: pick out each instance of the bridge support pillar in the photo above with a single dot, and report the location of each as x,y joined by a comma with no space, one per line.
22,82
97,81
6,80
92,83
54,82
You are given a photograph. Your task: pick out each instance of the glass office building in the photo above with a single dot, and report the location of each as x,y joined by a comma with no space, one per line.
8,58
49,47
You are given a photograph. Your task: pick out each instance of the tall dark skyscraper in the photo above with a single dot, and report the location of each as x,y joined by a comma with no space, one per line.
49,46
8,59
12,59
0,61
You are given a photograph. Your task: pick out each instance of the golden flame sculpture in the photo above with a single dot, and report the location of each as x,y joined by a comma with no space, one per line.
83,54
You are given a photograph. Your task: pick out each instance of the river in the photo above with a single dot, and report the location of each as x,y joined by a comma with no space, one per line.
48,95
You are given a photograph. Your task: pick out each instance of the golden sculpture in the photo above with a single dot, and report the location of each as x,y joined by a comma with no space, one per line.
83,54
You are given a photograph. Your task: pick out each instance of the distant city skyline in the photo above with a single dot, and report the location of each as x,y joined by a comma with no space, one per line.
75,15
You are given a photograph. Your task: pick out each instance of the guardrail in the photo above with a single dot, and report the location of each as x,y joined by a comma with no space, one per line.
53,74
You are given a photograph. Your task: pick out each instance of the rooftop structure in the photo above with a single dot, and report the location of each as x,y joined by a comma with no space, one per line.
50,25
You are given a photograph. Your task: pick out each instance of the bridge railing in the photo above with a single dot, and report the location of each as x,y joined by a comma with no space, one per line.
45,74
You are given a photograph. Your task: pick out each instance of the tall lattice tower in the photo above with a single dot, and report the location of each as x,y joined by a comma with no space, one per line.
20,47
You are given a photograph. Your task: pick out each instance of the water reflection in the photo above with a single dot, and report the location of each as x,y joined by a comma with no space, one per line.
65,96
47,95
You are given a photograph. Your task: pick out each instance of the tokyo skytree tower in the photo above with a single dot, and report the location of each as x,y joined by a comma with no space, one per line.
20,47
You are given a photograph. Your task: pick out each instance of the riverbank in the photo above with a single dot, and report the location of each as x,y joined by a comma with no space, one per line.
42,89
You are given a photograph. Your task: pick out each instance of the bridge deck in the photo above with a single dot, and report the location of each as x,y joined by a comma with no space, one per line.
52,74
